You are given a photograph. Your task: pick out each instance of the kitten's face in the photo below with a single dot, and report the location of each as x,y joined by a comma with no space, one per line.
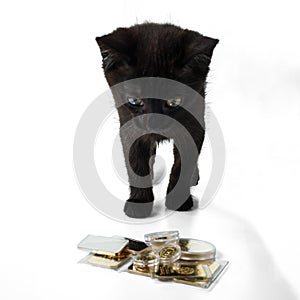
156,50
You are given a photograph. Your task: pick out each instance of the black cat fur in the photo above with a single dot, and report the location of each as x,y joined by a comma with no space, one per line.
157,50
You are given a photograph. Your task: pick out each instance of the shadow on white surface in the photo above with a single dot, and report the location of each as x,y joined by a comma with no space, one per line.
252,273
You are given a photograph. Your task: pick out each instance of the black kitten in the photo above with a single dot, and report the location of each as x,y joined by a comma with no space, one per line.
165,51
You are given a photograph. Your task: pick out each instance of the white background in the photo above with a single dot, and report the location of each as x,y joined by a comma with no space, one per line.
50,71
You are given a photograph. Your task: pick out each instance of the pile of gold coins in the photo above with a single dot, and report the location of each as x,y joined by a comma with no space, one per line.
163,256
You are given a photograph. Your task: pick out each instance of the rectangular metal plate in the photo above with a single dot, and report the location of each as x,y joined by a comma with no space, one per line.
105,261
103,245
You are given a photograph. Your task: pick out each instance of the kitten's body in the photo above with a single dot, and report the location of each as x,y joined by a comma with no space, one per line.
165,51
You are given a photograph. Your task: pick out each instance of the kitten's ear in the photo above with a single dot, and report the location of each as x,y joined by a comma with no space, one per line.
198,52
115,48
206,45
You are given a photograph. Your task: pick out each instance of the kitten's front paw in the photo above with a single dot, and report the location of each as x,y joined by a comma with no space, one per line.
137,209
187,205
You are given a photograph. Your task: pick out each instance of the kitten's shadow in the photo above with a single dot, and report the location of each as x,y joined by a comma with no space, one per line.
158,207
196,203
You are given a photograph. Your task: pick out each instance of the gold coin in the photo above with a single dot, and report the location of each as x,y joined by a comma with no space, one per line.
146,258
167,252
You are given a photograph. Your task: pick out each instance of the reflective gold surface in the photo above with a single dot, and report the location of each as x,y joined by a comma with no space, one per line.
105,261
182,270
168,252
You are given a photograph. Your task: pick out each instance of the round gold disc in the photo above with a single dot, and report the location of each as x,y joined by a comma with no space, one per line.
168,252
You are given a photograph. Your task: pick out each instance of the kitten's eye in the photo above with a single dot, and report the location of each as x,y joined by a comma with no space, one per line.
173,102
135,101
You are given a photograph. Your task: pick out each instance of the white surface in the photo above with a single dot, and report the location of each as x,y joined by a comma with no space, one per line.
50,71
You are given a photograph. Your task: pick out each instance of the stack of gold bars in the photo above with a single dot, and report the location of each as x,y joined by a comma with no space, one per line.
163,256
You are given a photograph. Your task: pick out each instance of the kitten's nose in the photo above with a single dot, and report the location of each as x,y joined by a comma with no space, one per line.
154,118
152,122
155,122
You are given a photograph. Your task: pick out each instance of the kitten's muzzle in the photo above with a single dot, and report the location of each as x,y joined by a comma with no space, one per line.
153,122
156,122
